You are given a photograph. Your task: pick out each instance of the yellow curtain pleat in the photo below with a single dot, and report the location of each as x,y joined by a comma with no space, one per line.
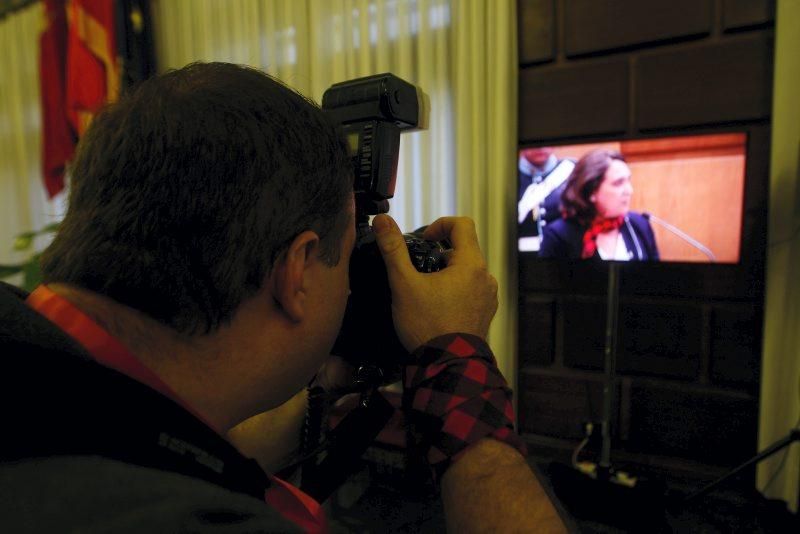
383,55
366,58
485,122
186,25
23,202
780,373
302,79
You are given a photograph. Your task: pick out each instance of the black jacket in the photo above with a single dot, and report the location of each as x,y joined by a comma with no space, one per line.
564,239
88,449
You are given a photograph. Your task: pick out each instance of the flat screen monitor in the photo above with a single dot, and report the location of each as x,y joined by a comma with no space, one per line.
671,199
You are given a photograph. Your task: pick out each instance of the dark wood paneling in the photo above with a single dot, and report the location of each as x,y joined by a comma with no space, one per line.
536,30
582,99
654,338
690,334
736,346
600,25
660,339
715,427
537,331
744,13
558,405
584,333
727,81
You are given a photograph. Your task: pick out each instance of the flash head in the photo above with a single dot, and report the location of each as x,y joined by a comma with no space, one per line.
372,112
383,97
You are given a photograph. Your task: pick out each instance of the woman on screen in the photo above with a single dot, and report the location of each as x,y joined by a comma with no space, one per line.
596,218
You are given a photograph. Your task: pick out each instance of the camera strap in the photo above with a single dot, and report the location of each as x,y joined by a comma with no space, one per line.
322,474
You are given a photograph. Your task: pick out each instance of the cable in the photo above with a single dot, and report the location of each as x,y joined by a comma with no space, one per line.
780,465
779,242
578,451
588,429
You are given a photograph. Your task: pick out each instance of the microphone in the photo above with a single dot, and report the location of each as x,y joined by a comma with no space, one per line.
683,235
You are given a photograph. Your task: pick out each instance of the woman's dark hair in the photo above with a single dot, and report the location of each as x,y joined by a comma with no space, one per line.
585,179
185,192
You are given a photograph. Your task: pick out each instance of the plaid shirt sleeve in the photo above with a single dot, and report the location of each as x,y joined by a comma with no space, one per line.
454,396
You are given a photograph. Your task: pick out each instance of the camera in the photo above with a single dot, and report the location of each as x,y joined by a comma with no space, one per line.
372,112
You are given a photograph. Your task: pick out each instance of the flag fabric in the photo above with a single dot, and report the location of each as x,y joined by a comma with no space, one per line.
79,73
58,137
92,67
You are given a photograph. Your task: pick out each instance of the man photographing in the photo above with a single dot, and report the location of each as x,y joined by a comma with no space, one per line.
199,280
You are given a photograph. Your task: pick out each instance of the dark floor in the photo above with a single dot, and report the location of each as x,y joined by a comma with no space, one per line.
381,500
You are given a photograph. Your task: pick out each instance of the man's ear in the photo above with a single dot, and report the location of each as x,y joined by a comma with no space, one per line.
287,280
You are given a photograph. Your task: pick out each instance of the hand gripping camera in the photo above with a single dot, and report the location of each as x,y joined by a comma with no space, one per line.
372,112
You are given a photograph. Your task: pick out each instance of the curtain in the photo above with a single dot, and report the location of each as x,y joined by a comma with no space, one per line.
23,202
462,53
780,400
312,44
485,121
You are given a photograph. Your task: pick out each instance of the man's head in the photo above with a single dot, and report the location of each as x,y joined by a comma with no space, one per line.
537,156
187,191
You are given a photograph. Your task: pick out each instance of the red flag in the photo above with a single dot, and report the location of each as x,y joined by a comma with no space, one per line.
79,73
58,143
93,74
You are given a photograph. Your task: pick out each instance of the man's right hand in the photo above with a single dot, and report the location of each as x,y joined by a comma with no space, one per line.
462,297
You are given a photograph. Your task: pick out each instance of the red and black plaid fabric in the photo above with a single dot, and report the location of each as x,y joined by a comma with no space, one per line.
453,396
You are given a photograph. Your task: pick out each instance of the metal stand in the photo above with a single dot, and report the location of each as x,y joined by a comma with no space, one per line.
610,366
607,495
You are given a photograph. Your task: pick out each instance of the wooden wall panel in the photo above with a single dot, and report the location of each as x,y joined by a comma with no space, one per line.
556,406
711,426
660,339
536,30
735,339
537,331
719,82
599,25
584,332
577,151
745,13
584,99
697,186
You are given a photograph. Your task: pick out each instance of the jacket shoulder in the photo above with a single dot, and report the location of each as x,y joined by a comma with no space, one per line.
90,493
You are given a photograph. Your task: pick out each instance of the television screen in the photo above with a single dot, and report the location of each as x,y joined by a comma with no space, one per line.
671,199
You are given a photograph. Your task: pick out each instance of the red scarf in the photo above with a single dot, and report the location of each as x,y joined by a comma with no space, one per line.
598,226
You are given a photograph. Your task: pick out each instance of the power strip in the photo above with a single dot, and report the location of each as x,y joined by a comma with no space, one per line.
618,477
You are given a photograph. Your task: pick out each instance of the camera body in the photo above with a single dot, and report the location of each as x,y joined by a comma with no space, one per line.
373,112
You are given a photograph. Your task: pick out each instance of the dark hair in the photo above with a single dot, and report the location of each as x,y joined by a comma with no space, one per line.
186,191
585,179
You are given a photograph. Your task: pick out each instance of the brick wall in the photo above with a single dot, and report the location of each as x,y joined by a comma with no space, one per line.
689,336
